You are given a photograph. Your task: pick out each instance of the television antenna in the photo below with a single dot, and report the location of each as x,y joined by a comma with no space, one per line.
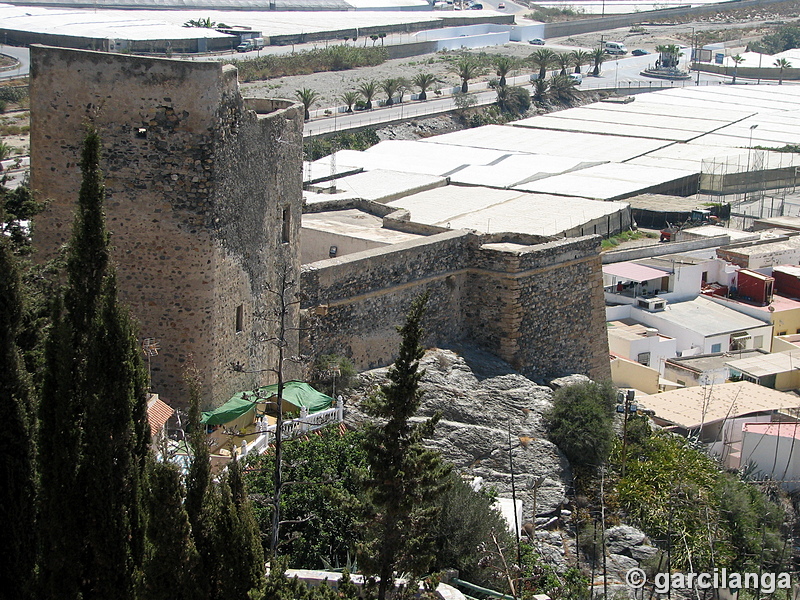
150,348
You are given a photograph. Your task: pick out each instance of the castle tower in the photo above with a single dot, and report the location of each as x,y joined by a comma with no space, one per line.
203,202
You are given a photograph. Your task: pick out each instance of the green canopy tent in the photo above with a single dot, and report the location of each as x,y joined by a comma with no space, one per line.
296,394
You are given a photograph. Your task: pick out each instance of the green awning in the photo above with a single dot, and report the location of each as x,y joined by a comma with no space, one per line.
295,393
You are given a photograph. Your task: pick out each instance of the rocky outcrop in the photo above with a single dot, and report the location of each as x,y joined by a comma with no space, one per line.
482,402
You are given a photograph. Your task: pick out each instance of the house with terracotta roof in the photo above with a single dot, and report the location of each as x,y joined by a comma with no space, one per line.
158,414
716,414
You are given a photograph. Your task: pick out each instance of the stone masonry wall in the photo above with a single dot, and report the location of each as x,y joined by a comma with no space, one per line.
194,182
539,306
352,304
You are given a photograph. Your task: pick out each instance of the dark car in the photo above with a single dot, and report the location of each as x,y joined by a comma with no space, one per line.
536,42
476,6
639,52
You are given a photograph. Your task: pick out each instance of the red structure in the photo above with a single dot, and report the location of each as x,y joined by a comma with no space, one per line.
755,287
787,280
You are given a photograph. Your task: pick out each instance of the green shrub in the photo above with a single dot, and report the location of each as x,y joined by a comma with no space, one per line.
355,140
332,373
332,58
580,422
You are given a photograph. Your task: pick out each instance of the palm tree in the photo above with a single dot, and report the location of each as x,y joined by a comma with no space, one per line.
402,87
668,56
205,23
598,56
307,98
564,61
580,58
513,100
368,89
782,64
468,67
349,98
503,65
540,89
390,87
737,60
563,87
543,59
423,81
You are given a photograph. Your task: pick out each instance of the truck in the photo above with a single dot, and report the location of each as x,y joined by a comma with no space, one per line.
699,216
250,44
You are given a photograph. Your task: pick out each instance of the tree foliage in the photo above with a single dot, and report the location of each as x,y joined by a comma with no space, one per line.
17,461
93,436
321,501
513,100
678,495
580,422
785,38
404,480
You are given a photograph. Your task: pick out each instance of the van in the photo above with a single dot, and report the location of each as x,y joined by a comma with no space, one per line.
576,77
245,46
615,48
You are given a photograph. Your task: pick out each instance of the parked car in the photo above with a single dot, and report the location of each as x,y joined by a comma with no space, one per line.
476,6
501,6
536,42
639,52
576,77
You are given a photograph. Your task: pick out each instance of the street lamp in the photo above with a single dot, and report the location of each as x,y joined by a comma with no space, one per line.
749,150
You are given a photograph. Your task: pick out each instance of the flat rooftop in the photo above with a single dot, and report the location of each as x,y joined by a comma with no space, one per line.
144,19
493,211
692,406
762,365
378,185
355,224
707,318
711,362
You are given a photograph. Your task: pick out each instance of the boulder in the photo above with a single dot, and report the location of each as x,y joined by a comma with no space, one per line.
620,539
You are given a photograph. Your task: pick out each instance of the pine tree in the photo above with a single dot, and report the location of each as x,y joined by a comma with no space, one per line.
17,512
404,478
93,437
170,556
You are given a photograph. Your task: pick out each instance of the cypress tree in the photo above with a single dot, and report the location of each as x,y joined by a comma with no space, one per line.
170,556
17,469
404,478
240,554
93,434
200,498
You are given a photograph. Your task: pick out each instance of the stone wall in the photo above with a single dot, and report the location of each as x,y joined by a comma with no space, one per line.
534,302
196,186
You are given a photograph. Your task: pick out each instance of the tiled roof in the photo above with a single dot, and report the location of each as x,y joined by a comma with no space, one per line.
158,413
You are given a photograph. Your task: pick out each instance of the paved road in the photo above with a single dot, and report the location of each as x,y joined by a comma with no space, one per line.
623,74
22,55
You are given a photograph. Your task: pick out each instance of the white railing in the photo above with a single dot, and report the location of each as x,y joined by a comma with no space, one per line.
292,428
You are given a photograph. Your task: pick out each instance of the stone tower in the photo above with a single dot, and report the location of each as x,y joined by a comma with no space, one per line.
203,202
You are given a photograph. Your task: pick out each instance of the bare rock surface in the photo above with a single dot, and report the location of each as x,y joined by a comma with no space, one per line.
482,402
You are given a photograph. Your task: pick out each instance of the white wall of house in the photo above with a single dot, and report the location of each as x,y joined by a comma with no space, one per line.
761,450
730,435
657,346
686,281
690,342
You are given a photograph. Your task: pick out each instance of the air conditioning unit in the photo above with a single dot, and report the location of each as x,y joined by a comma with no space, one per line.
651,304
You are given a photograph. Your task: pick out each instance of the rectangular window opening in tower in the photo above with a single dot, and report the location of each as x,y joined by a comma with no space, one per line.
239,318
287,225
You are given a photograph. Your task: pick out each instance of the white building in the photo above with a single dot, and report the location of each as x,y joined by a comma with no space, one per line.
773,450
701,326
